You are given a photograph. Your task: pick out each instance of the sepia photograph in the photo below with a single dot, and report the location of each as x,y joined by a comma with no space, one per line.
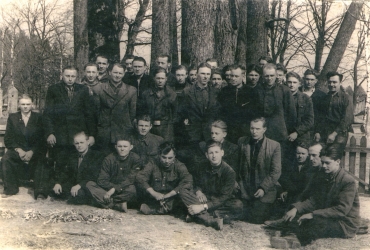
184,124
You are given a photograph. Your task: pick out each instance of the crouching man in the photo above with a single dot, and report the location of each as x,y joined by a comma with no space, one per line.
83,166
115,185
212,202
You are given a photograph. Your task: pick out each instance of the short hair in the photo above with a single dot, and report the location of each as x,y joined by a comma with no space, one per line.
165,55
204,65
333,151
90,64
181,67
192,67
70,67
220,124
254,67
217,72
295,75
281,67
268,59
261,119
311,72
302,145
123,138
212,60
119,66
25,96
269,66
317,144
166,147
139,59
159,70
128,57
334,73
238,66
211,143
102,56
144,117
81,133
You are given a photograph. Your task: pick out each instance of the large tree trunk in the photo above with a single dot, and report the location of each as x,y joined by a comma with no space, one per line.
198,22
81,39
341,41
225,36
173,34
103,26
241,46
257,14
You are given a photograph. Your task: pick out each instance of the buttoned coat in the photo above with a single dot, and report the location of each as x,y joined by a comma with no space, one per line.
116,112
267,171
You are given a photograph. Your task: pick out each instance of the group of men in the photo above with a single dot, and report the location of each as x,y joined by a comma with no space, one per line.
110,141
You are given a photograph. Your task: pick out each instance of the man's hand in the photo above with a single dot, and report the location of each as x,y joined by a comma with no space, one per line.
74,190
201,197
331,137
186,122
260,193
283,196
57,188
308,216
157,196
195,209
317,137
28,155
289,216
91,141
108,194
21,153
51,140
293,136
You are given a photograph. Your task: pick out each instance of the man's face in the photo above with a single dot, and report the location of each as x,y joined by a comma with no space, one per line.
193,75
329,165
69,76
253,78
216,80
181,76
160,80
269,76
217,134
25,105
123,148
91,73
162,62
228,76
128,64
301,154
262,63
237,77
168,159
203,77
81,143
139,68
314,154
310,81
143,127
102,64
293,84
214,155
117,74
257,130
280,77
213,64
334,84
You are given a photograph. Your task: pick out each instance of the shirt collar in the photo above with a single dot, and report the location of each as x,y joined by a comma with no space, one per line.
27,115
215,170
199,88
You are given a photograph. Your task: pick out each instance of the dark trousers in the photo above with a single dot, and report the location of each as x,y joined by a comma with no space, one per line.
127,195
83,195
14,170
257,212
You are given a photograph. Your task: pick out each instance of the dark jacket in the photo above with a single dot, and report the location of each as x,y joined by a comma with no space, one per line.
29,137
319,111
88,170
164,180
146,82
64,118
218,186
116,112
146,148
267,171
335,199
305,117
276,104
118,173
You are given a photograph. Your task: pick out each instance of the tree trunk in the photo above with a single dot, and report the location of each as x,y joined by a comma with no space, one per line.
257,14
198,22
341,41
225,36
321,32
161,37
241,46
173,34
81,39
103,29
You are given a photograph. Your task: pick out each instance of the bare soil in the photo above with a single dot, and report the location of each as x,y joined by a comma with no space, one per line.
29,224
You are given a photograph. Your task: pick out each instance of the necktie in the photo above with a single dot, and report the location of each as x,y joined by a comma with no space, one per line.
80,158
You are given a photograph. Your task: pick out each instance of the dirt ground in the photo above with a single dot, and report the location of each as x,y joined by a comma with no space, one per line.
29,224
